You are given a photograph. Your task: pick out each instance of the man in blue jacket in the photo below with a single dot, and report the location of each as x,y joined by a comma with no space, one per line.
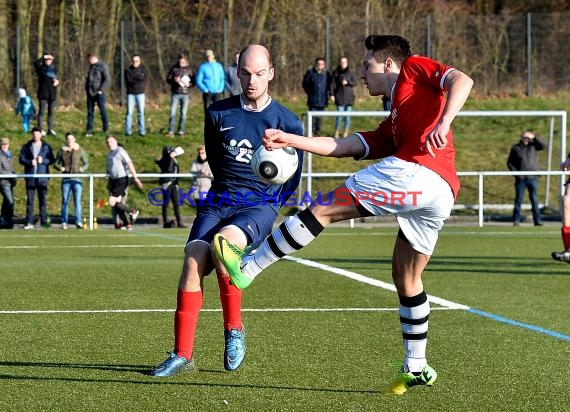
211,79
316,83
36,156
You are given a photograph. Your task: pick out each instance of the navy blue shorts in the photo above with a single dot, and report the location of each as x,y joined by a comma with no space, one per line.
255,221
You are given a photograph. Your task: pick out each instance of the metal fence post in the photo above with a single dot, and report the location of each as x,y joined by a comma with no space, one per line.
529,54
123,51
481,199
91,214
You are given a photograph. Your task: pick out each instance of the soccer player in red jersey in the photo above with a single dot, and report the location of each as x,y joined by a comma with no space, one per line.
564,256
416,147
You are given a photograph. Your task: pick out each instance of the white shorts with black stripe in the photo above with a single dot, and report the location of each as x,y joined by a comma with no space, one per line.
419,197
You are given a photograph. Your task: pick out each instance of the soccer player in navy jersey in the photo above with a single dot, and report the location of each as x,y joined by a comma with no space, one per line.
415,180
238,205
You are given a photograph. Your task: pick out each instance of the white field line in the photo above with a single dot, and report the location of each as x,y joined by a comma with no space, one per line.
88,246
370,281
266,310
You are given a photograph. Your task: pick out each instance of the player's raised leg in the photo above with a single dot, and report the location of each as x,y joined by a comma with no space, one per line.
197,263
292,235
230,297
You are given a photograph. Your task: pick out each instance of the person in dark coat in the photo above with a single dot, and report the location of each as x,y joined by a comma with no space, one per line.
135,79
168,164
524,157
342,93
47,91
36,156
97,80
316,83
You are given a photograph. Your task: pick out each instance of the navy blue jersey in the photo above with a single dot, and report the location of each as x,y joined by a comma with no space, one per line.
231,135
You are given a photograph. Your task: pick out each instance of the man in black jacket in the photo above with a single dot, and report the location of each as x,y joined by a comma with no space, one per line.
36,156
47,90
97,80
524,157
342,94
135,79
316,83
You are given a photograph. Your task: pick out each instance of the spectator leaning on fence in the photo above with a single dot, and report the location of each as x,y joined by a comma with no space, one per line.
6,185
36,156
71,159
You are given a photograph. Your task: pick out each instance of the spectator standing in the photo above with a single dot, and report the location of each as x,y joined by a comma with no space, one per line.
524,157
135,80
118,163
47,91
342,94
26,108
98,79
233,84
169,164
211,79
181,79
36,156
316,83
386,103
71,159
7,185
203,180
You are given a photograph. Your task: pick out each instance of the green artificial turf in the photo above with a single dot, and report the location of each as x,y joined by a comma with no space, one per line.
316,341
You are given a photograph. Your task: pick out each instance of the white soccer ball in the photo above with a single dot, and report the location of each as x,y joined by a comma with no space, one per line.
275,166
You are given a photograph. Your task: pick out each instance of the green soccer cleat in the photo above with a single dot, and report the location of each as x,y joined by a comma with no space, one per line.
230,255
406,380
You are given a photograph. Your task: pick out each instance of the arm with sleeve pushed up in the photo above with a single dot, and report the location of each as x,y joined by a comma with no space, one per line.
350,146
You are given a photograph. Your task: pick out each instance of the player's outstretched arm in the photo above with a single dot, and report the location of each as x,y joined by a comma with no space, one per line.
349,146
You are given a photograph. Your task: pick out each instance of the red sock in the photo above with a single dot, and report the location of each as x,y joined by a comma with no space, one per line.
230,296
566,237
185,321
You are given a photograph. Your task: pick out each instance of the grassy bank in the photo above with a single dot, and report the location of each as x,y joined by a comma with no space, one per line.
482,143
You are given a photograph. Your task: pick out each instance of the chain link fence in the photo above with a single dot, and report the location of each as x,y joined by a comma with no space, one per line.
505,54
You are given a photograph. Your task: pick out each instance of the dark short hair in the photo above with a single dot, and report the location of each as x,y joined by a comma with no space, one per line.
182,56
384,46
36,129
318,59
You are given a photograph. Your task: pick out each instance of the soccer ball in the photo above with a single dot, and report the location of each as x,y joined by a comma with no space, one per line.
275,166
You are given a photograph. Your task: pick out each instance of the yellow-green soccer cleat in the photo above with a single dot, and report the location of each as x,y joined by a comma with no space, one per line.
406,380
230,255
